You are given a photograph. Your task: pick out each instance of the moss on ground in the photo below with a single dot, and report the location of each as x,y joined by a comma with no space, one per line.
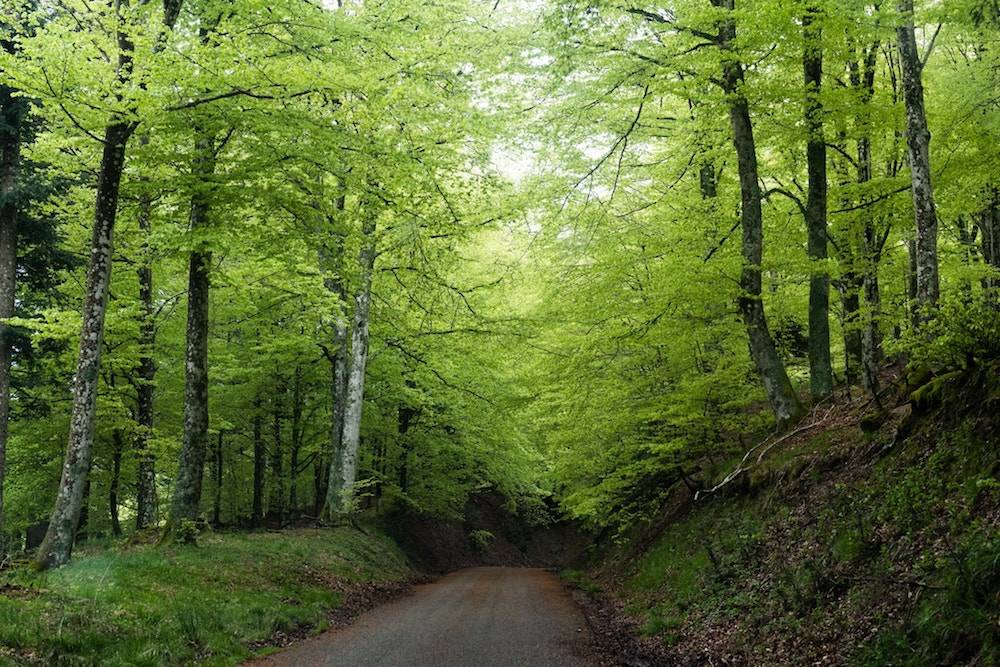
214,604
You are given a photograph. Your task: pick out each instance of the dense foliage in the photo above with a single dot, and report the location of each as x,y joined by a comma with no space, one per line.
380,254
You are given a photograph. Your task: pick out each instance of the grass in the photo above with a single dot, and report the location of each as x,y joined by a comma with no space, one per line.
211,604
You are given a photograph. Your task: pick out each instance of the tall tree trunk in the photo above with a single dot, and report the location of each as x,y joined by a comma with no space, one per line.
863,80
918,139
259,454
331,260
12,110
277,458
145,515
341,487
820,367
785,404
57,546
117,446
191,466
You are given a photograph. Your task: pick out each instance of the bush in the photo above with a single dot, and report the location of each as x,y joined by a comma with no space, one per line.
962,329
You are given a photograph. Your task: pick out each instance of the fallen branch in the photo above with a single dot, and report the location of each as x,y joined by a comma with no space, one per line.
742,467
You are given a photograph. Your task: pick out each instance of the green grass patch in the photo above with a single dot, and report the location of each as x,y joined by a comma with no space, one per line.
148,605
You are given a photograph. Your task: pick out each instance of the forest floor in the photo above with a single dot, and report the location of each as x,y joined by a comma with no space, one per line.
233,596
867,537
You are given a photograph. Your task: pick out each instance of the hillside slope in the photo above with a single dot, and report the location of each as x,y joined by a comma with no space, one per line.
867,537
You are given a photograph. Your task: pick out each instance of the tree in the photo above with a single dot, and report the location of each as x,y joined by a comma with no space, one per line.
918,139
785,404
820,369
57,546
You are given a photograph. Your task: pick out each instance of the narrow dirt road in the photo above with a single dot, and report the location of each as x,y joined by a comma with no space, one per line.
479,617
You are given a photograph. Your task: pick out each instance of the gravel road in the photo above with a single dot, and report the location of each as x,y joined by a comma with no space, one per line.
479,617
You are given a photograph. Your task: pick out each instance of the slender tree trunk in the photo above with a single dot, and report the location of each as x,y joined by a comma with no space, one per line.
12,111
785,404
145,515
918,139
332,261
259,454
191,467
820,367
117,446
863,80
342,486
57,546
277,458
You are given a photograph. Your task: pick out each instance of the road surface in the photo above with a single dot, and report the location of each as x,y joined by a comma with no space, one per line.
479,617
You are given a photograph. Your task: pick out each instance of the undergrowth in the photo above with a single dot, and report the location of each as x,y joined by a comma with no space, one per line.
846,550
213,604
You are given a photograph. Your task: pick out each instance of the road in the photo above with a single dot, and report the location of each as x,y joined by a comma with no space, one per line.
479,617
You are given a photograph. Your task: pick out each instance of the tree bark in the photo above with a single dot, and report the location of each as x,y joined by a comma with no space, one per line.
191,466
820,367
341,486
918,139
785,404
332,261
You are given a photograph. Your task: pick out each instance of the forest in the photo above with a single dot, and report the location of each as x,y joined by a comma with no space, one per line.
681,286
